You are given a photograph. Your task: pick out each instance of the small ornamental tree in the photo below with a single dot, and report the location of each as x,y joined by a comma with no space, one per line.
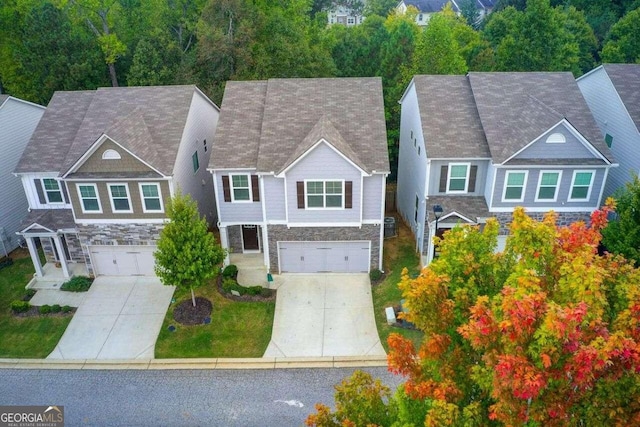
187,254
622,235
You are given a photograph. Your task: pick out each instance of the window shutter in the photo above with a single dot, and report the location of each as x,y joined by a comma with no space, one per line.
444,169
255,189
225,188
348,194
65,194
472,178
40,191
300,187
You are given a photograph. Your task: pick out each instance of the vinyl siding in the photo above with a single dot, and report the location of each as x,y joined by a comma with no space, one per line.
127,162
32,194
571,149
488,187
323,163
18,120
613,119
372,201
274,198
481,176
237,212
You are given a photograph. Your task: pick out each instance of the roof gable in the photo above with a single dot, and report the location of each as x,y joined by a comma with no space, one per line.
626,80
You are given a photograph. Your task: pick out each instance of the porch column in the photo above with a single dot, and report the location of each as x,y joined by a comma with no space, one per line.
61,255
34,256
430,246
224,242
265,246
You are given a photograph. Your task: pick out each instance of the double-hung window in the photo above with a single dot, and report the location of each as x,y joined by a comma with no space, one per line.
458,178
325,194
52,190
89,200
151,197
240,188
119,196
581,186
548,186
515,182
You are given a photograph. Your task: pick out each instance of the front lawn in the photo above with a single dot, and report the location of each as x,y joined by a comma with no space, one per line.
399,252
24,337
237,329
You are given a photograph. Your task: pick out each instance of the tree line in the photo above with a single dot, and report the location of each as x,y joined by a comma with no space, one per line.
84,44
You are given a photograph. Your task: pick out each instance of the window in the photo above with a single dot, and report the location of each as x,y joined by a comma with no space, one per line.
195,161
240,188
89,198
324,194
119,196
548,186
458,175
205,145
110,154
52,190
151,197
581,185
418,150
415,214
556,138
609,140
514,186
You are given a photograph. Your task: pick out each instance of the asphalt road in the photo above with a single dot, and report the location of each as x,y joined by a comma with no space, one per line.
280,397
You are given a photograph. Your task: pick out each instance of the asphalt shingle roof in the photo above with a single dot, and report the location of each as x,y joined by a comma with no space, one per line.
472,207
431,6
626,80
53,219
263,123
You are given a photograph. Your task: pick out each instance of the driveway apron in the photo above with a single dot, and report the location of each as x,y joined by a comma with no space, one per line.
120,318
324,315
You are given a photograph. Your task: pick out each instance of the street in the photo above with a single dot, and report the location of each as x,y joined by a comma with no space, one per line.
279,397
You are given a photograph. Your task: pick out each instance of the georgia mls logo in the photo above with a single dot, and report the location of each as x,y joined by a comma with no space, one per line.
31,416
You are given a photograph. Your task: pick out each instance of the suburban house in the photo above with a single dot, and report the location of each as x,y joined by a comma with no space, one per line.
613,94
299,167
100,169
18,120
477,146
426,8
346,13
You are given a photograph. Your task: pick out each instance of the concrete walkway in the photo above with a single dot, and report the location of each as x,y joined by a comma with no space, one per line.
119,318
320,315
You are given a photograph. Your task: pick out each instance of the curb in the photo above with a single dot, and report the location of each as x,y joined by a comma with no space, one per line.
214,364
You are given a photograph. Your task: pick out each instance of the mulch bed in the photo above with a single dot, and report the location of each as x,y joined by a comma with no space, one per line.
186,314
255,298
33,312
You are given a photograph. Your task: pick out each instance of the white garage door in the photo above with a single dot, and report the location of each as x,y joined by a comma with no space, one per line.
123,260
324,257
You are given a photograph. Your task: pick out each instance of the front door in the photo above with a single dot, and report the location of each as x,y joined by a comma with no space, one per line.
250,238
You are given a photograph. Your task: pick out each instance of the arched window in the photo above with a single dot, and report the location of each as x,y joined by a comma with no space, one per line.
111,155
556,138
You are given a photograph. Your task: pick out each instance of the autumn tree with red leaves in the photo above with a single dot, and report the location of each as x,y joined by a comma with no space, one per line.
545,333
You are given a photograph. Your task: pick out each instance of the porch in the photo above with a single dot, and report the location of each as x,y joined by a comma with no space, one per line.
53,277
251,269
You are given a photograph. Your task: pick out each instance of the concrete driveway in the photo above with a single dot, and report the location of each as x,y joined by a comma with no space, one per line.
120,318
324,315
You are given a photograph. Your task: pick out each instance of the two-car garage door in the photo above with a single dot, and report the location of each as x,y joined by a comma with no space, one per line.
123,260
319,257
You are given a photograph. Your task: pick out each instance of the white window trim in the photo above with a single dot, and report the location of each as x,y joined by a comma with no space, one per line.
324,181
573,181
556,138
466,179
126,186
231,188
524,186
46,194
144,207
111,154
555,196
95,187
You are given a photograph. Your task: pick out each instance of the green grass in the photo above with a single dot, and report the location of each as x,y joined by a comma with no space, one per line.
399,252
237,329
32,337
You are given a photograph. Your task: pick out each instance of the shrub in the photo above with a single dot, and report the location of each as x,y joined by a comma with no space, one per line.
254,290
77,284
375,275
66,309
229,284
20,306
55,308
44,309
230,270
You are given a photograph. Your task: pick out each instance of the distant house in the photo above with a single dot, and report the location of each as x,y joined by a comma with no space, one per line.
477,146
18,120
300,169
342,14
426,8
613,94
101,167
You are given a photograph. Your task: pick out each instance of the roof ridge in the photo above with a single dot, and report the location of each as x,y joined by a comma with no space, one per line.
545,105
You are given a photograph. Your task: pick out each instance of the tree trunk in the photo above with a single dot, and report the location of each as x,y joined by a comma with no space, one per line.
193,297
112,73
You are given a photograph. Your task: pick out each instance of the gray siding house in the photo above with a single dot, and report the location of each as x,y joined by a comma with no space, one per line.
101,167
613,94
479,145
18,120
426,8
300,167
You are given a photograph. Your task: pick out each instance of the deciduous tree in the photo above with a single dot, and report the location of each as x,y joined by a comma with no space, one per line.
622,235
623,43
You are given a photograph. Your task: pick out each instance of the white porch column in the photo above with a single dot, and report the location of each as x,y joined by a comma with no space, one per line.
224,242
430,247
34,256
61,255
265,246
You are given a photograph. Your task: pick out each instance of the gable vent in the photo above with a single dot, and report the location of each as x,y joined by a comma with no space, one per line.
556,138
111,155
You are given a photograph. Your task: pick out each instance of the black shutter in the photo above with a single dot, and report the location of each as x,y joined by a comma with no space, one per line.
472,178
255,189
444,169
348,194
225,188
300,188
40,191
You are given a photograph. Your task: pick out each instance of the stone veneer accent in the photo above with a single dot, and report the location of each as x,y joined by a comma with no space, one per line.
321,234
234,234
75,248
47,248
116,234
